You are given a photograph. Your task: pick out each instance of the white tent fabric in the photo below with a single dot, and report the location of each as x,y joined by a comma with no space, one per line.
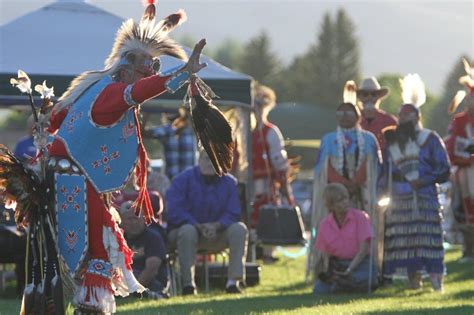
69,37
63,38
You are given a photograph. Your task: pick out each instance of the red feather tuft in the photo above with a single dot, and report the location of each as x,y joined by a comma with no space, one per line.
148,2
182,16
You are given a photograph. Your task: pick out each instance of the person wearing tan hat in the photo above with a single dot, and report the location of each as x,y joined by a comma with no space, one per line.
370,94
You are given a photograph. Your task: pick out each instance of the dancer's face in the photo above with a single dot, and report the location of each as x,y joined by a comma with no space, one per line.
346,116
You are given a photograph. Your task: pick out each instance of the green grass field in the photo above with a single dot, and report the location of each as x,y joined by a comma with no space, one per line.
283,291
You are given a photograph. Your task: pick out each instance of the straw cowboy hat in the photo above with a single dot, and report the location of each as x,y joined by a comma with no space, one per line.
371,86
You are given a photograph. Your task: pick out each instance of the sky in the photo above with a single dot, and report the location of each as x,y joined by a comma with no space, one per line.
426,37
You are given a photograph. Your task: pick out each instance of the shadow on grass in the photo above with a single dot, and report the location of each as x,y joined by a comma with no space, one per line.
459,271
452,310
244,305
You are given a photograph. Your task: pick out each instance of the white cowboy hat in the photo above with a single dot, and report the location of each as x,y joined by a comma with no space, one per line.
371,85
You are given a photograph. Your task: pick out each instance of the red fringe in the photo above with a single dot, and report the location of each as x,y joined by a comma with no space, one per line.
143,201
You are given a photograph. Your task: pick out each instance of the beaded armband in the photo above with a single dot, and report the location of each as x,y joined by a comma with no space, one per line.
127,96
177,81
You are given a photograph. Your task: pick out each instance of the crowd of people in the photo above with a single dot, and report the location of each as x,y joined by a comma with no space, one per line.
391,169
359,243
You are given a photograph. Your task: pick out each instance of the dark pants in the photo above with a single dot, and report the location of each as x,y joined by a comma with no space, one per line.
356,282
13,250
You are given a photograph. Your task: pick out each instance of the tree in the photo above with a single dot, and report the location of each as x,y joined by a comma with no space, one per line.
320,74
440,119
259,61
228,53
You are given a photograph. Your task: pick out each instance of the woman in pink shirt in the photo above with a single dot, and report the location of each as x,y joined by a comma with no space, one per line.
344,240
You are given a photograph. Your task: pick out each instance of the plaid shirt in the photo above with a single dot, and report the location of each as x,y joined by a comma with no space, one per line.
180,149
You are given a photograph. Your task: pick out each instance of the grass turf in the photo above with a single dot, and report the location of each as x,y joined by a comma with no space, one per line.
282,290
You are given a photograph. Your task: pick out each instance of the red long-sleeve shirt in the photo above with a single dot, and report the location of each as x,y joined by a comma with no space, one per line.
110,106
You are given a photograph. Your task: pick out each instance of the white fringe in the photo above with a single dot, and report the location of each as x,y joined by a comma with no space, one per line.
123,281
100,299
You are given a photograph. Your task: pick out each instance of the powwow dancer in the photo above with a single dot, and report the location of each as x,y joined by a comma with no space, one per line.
98,146
349,156
416,162
460,145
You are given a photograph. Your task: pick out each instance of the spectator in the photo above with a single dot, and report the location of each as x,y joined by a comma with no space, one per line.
370,94
179,143
349,156
270,164
344,238
149,252
417,162
203,213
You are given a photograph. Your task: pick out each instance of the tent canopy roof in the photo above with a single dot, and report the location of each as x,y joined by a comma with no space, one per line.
68,37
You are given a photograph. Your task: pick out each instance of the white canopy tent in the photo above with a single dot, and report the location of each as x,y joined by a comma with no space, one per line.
68,37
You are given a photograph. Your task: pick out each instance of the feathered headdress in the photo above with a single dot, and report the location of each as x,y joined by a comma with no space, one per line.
147,37
413,90
466,80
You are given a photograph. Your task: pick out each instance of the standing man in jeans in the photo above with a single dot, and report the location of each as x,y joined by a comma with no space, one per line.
204,213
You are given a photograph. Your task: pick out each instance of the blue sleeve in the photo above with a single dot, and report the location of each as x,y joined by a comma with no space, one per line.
154,244
232,207
440,165
161,132
177,205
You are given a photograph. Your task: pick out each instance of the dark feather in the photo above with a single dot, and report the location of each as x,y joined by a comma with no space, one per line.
19,184
215,134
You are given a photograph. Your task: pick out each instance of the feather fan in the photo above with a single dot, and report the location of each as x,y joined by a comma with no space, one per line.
214,133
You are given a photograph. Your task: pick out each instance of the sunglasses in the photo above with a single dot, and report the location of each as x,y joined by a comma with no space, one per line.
348,113
365,94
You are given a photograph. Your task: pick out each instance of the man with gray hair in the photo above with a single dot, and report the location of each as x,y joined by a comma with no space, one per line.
370,94
204,213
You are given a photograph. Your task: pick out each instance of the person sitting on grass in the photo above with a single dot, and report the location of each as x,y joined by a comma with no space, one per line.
149,251
344,239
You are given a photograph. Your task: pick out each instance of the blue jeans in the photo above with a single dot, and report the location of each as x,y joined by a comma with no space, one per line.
357,282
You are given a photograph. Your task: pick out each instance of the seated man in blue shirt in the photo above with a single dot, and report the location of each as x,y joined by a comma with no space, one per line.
204,213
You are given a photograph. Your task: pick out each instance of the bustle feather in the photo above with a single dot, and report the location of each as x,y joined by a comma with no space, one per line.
19,185
413,90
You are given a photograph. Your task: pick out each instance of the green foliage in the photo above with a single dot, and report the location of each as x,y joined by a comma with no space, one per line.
259,61
229,53
15,120
319,75
440,118
391,103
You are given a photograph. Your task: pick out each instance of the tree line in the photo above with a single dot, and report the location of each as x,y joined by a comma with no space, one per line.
318,75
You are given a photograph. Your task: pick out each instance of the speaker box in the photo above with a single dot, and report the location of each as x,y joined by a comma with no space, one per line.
280,225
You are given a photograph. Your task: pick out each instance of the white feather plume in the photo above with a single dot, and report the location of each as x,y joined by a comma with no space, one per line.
413,90
350,92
